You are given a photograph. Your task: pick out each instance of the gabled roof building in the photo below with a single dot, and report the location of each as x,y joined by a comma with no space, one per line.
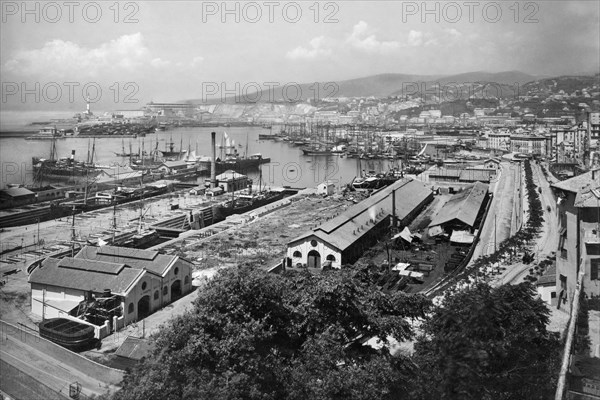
462,210
143,281
343,239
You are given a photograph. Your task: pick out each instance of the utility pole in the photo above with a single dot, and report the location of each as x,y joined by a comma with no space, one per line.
114,221
495,219
73,234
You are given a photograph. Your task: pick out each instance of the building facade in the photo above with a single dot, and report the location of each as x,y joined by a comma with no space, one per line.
579,235
528,144
343,239
499,140
143,281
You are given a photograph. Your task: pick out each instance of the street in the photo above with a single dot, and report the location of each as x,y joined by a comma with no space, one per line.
498,224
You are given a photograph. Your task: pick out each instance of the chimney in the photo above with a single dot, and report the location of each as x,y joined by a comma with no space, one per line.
213,163
72,155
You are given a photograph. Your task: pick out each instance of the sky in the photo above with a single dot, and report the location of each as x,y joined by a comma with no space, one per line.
55,54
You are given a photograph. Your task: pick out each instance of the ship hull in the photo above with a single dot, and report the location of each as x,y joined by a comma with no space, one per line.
239,208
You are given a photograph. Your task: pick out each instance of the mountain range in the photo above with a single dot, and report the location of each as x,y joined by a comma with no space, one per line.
382,85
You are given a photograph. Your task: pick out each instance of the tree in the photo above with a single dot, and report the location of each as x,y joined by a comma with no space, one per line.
488,343
255,335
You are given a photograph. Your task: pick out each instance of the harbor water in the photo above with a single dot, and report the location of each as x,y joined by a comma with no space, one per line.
288,166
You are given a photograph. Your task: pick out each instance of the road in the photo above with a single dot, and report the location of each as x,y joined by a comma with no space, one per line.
497,226
43,368
547,240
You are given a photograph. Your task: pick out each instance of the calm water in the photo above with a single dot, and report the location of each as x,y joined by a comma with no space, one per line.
288,165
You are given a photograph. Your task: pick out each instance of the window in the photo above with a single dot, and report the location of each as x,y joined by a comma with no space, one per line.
144,285
313,243
563,253
156,295
297,254
186,280
594,267
176,271
330,257
165,290
130,308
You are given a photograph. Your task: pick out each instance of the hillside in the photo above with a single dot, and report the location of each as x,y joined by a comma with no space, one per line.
384,85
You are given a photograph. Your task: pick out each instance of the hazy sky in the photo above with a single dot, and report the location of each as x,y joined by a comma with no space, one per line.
174,50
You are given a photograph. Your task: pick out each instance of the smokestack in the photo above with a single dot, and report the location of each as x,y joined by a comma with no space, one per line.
213,163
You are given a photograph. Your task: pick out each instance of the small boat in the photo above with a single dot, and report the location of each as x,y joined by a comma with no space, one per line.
68,333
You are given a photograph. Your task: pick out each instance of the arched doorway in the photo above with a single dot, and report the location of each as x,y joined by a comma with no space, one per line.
143,307
176,290
314,259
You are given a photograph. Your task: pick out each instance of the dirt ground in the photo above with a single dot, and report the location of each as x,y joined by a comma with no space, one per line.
264,241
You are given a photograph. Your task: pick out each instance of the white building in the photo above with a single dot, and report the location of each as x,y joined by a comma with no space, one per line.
343,239
499,140
143,280
326,188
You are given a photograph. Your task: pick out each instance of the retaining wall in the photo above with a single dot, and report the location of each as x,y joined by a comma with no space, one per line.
98,371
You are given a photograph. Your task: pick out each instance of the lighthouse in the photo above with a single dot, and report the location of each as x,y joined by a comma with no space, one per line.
88,112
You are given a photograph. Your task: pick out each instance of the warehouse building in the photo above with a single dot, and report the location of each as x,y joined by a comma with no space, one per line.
142,281
461,214
343,239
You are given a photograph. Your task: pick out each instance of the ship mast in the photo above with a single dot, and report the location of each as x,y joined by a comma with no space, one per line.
93,152
73,234
141,204
114,220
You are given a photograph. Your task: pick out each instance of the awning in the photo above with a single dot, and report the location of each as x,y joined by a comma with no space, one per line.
436,231
63,305
405,234
462,237
401,266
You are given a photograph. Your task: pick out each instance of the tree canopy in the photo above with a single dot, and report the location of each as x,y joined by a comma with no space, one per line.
488,343
254,335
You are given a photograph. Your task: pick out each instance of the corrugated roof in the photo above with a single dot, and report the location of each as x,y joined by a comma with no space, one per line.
463,206
343,230
53,274
445,172
142,259
471,175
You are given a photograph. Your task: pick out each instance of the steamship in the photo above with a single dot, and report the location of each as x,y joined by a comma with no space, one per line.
64,169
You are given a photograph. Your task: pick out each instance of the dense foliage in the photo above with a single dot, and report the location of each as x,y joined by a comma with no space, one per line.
488,343
254,335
